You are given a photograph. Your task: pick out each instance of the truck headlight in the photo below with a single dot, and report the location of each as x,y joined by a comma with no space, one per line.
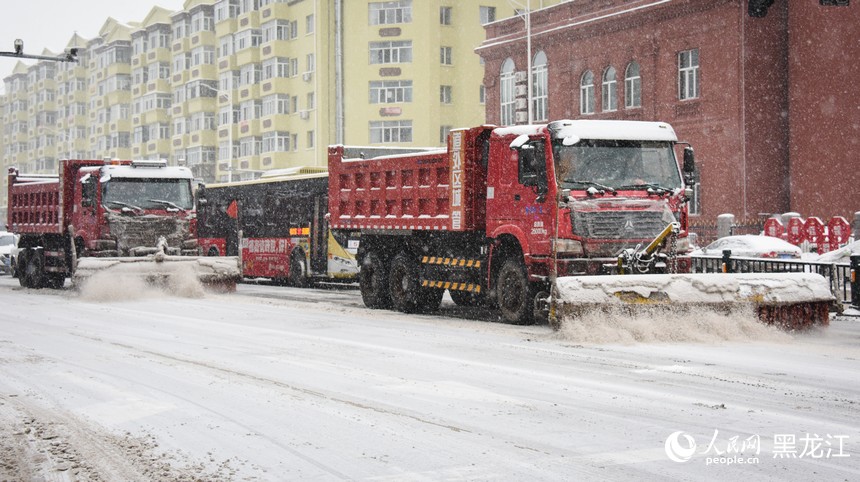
568,247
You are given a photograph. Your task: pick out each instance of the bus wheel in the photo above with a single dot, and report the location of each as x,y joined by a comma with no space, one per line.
298,271
373,281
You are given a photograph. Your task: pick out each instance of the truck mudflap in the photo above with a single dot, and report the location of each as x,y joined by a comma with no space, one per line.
214,273
791,301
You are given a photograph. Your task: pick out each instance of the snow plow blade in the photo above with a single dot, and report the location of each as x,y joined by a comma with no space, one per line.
791,301
215,273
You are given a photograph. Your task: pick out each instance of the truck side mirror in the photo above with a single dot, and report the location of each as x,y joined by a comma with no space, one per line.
689,166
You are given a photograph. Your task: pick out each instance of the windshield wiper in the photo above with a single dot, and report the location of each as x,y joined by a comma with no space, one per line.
125,206
167,203
592,183
649,186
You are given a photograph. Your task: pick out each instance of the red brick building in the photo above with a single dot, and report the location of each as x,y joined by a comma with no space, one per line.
770,103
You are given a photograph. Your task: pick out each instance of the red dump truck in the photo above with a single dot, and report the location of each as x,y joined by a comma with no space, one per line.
502,212
97,208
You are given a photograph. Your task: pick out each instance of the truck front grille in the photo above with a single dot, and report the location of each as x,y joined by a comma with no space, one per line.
618,225
143,231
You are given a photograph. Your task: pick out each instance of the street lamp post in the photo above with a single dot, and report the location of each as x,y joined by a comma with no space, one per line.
71,55
527,19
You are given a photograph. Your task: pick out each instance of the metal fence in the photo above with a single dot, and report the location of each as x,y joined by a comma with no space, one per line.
839,274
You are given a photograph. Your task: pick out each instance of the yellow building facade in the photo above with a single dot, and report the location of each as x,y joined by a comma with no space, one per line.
232,88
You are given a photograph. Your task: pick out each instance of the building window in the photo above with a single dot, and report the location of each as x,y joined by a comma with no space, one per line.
443,134
276,104
309,24
398,52
276,30
539,87
586,93
445,15
632,86
390,131
609,90
445,95
390,91
311,140
506,93
488,14
445,55
482,94
688,74
276,67
384,13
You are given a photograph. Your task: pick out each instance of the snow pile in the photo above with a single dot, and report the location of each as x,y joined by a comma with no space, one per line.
126,285
619,325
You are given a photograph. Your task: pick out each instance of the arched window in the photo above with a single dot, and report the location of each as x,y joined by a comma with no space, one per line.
506,93
539,87
609,90
632,86
586,93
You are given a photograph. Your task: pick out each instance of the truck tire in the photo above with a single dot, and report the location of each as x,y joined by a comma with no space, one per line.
21,268
514,294
407,294
55,280
429,299
403,284
298,271
373,281
34,271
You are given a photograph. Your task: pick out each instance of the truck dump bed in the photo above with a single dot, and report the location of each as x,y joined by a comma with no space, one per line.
441,190
34,205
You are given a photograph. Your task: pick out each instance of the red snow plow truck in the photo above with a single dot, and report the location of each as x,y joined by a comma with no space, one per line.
521,218
129,217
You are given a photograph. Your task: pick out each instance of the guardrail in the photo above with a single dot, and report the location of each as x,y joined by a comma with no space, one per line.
844,282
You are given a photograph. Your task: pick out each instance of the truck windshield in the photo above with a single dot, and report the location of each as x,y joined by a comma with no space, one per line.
616,164
148,193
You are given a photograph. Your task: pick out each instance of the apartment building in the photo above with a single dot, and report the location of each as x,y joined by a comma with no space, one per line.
232,88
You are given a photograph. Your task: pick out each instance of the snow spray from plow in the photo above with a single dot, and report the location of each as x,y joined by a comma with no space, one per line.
791,301
162,270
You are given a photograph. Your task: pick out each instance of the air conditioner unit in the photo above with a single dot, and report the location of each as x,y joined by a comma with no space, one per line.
307,76
304,114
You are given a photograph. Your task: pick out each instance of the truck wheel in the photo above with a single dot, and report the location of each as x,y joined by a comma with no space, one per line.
403,284
429,299
298,272
373,281
514,295
21,268
35,270
55,280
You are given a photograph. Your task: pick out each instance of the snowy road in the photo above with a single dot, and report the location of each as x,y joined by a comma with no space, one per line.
274,383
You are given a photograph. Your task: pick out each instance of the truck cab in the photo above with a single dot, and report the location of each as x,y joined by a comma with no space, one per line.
122,208
582,192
